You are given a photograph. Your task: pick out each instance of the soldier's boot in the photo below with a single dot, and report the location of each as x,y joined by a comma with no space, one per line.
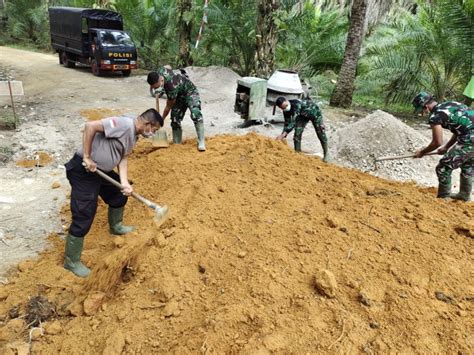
326,156
297,146
115,222
200,134
72,256
465,189
177,135
444,191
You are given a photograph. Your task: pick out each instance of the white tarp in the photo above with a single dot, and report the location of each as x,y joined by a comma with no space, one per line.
16,87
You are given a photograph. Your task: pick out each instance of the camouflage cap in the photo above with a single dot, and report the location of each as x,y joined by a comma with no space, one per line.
421,100
165,73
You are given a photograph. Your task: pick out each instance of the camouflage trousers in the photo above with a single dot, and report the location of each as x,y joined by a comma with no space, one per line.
459,156
191,102
318,125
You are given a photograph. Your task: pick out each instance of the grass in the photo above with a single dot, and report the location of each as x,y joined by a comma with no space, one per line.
7,120
6,153
377,103
27,46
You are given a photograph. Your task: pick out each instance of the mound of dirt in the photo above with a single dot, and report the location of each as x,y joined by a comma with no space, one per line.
215,82
265,251
381,134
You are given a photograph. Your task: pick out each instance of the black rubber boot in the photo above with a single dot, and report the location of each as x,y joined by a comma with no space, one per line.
444,191
72,256
465,189
177,135
115,222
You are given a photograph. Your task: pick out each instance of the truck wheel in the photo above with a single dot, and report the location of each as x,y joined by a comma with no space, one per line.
95,68
60,55
126,73
66,61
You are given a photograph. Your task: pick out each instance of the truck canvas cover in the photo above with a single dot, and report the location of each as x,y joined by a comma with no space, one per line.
67,21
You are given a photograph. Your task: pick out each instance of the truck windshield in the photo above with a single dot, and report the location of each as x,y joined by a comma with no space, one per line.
115,38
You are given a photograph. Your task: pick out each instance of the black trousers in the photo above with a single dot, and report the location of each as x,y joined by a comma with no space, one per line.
86,187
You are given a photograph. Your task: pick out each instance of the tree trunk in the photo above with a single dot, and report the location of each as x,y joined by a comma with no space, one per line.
342,94
266,38
185,25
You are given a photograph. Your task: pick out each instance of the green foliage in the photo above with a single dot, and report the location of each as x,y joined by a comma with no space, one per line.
310,41
28,21
432,51
150,22
229,38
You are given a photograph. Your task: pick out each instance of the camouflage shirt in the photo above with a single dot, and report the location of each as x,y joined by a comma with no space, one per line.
456,117
301,109
178,85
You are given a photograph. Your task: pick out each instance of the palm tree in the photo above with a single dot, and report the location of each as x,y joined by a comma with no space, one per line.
310,40
342,94
432,50
230,36
266,37
185,26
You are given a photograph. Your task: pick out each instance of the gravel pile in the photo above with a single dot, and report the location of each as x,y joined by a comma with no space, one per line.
381,134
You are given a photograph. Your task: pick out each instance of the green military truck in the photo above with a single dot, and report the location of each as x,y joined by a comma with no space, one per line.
92,37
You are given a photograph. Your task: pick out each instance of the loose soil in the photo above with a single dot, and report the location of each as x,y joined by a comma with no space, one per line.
39,159
265,251
95,114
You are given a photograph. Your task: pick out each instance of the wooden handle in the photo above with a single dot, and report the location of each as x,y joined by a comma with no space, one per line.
121,187
158,103
402,156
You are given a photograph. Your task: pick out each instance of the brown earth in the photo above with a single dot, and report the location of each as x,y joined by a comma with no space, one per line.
265,251
94,114
39,159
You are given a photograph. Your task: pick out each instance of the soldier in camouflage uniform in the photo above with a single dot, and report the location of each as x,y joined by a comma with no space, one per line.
297,114
181,94
458,151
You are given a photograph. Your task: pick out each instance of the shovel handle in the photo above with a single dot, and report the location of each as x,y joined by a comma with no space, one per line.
120,186
402,156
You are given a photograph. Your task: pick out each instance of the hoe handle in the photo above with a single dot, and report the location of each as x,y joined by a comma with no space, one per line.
402,156
120,186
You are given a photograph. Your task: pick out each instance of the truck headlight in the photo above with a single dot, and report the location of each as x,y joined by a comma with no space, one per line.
107,62
133,62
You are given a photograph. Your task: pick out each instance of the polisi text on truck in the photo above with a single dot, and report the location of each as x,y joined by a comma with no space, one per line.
120,55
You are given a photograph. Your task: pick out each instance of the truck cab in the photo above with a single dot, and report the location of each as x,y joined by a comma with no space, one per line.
93,37
111,50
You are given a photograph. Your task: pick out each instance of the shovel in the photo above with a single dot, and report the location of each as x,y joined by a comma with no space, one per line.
160,139
160,211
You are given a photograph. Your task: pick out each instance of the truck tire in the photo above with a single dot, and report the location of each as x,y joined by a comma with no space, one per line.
60,55
66,61
95,68
126,73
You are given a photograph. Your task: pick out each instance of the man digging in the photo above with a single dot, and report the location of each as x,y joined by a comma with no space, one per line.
181,94
297,114
106,145
458,151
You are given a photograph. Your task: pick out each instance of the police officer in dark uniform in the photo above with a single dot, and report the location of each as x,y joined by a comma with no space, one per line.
106,145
